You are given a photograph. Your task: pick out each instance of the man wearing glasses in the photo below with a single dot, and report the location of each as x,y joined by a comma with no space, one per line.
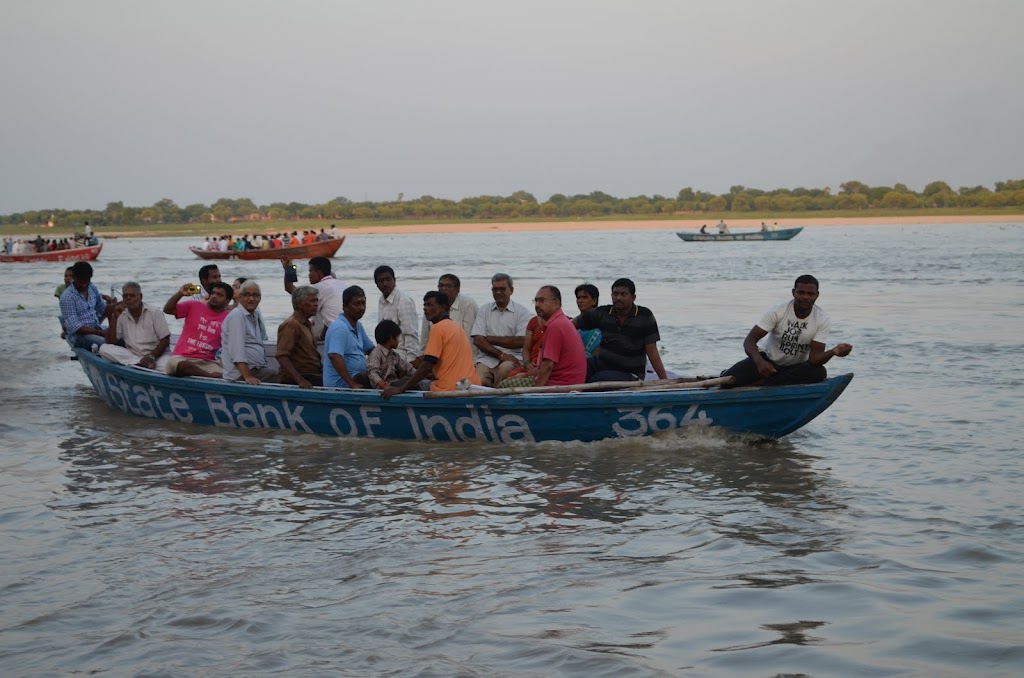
243,356
499,332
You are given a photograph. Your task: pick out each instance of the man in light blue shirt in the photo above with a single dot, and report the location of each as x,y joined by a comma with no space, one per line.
347,344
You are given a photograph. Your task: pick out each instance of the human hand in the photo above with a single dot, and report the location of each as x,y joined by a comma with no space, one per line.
842,350
765,368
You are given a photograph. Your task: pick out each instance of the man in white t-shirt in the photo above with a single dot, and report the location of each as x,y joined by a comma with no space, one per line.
795,351
329,292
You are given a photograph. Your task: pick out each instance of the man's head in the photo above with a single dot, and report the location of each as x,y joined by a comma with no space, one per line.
304,301
586,296
220,296
623,295
131,292
319,268
353,301
384,278
805,293
387,333
208,275
81,274
547,301
450,284
501,289
250,295
435,306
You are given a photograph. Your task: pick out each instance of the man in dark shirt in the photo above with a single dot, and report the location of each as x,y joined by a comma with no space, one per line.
629,337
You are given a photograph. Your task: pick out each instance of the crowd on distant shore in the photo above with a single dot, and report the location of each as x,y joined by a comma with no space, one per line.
229,243
454,344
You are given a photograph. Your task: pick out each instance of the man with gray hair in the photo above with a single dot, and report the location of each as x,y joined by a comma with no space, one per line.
137,335
498,332
243,356
301,364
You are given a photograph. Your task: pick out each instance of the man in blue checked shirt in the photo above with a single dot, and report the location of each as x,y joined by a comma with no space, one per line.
83,309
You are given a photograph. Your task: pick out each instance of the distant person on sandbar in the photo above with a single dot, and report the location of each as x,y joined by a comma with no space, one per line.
795,351
723,229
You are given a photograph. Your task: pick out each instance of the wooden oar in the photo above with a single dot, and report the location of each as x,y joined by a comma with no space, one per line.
662,384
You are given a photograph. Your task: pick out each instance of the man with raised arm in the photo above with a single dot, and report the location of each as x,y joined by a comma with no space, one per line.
795,351
329,291
142,331
498,332
195,353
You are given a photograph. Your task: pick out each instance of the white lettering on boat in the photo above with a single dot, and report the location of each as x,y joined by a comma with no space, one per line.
264,415
640,421
139,400
477,425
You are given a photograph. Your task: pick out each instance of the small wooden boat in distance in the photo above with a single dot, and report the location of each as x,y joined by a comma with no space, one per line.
320,248
76,254
780,234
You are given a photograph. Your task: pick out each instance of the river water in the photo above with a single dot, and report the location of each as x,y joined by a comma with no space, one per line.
885,538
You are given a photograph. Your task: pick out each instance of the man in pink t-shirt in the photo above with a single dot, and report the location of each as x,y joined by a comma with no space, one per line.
563,361
195,353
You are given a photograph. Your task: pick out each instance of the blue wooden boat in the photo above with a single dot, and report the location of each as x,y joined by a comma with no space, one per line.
474,417
780,234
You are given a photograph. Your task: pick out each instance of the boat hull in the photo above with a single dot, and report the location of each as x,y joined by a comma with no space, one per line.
765,412
780,234
322,248
77,254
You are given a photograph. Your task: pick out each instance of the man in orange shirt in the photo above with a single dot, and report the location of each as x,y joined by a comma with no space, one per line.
448,351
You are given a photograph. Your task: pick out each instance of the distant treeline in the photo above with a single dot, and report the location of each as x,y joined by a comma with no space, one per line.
852,195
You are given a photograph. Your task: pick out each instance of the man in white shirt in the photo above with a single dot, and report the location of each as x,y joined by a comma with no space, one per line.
499,331
399,307
143,332
462,311
329,292
795,351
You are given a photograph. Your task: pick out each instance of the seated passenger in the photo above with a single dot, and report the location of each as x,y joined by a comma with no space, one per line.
82,307
629,337
385,365
498,332
142,332
301,363
563,361
586,299
346,344
448,352
243,356
795,351
195,354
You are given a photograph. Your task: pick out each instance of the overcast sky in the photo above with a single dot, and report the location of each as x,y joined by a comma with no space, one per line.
196,100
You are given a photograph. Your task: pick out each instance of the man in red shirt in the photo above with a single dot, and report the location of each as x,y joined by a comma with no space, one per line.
563,360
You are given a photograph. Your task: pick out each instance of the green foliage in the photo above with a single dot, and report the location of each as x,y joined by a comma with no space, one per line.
853,196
